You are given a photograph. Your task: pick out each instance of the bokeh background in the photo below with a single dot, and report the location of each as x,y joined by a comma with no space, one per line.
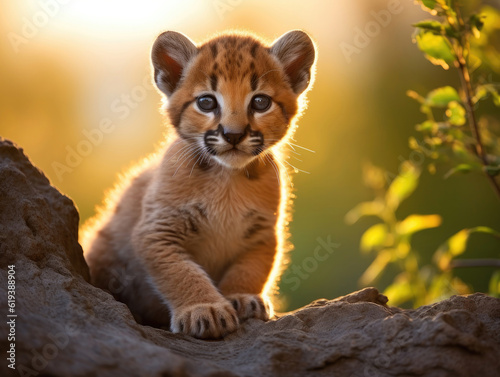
68,66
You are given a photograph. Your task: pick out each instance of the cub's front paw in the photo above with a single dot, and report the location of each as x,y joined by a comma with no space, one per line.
212,320
250,306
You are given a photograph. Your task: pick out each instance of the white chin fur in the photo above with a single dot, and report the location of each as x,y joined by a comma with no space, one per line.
238,161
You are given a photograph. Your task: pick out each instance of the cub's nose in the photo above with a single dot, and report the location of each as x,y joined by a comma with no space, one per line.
234,138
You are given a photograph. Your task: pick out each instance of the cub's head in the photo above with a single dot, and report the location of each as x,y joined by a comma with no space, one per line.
233,97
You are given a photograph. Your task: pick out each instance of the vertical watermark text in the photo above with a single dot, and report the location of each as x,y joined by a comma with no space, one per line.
11,316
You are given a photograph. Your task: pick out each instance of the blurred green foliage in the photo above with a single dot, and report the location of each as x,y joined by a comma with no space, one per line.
452,135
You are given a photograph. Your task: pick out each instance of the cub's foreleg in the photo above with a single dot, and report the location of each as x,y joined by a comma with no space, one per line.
244,281
198,309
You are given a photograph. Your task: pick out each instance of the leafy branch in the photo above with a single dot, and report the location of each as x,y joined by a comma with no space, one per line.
461,138
448,42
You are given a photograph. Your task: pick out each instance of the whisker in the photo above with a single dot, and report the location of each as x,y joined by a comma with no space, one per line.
183,149
187,157
170,147
298,146
293,151
187,149
206,156
183,161
275,167
297,169
200,149
284,169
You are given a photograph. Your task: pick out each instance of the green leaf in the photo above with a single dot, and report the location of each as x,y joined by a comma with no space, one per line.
427,126
496,98
492,170
486,230
402,186
481,93
476,24
413,143
441,97
400,291
433,141
374,237
402,250
436,28
462,168
376,268
437,48
494,286
430,25
429,4
416,223
456,113
414,95
364,209
456,245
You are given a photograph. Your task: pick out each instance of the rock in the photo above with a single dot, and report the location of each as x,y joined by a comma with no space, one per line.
66,327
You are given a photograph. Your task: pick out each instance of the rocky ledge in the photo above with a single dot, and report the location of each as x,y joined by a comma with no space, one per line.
67,327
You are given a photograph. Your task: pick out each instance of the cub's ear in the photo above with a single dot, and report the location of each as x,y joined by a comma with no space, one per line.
171,53
295,50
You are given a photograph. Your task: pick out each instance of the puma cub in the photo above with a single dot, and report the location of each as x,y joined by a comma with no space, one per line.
194,238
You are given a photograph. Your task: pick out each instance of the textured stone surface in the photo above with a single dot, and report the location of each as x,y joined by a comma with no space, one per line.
66,327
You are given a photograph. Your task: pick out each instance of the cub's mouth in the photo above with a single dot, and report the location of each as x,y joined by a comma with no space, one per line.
234,149
231,148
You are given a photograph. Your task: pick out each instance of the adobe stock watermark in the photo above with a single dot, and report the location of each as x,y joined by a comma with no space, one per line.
31,25
296,274
363,36
224,6
122,107
11,316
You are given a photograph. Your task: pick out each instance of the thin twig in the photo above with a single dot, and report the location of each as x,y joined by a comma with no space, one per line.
463,71
459,263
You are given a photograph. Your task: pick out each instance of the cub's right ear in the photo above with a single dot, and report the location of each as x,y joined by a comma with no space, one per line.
170,55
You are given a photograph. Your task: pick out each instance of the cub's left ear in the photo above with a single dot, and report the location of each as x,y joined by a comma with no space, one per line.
295,50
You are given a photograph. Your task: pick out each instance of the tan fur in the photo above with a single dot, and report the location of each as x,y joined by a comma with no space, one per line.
194,237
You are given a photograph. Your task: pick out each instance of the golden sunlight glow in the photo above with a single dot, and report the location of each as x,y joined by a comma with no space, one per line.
125,17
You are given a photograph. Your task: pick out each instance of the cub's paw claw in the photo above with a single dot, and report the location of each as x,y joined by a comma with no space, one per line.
250,306
212,320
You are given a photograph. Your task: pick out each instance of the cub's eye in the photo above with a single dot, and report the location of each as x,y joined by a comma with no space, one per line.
207,103
261,103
